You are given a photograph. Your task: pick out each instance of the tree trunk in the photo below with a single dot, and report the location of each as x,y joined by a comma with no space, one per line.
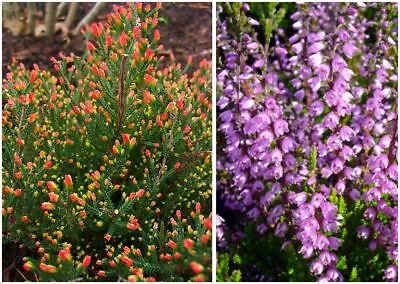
90,16
61,8
31,17
17,10
71,14
50,19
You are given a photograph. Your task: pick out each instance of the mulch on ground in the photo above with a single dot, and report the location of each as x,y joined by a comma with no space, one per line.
185,30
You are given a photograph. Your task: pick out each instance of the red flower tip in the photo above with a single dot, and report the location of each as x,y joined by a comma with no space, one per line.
172,244
127,261
51,186
188,244
198,207
208,223
125,138
34,75
196,267
65,254
86,261
123,39
177,165
90,46
149,80
53,197
28,266
156,35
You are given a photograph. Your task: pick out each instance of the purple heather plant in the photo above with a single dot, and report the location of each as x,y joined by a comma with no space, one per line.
309,125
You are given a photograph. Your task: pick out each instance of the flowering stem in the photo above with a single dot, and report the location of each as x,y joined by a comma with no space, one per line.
393,142
121,94
19,137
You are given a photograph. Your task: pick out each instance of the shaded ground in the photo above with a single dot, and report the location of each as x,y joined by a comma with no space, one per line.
185,29
188,30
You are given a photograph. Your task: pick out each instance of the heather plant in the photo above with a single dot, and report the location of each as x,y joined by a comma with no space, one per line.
106,160
307,140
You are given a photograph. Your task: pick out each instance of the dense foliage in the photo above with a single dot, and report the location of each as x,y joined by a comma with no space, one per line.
107,160
307,141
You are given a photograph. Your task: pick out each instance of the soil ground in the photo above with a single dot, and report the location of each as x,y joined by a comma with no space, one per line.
185,30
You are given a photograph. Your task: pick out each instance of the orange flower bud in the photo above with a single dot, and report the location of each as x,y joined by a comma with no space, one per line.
188,244
18,192
47,206
178,214
198,278
90,46
180,104
198,207
68,181
47,268
34,75
108,41
28,266
96,29
172,244
65,254
136,32
18,175
101,273
140,192
148,54
149,80
81,202
53,197
86,261
177,255
123,39
125,138
51,186
204,239
132,278
48,165
208,223
156,35
112,263
32,117
132,226
147,97
196,267
127,261
24,219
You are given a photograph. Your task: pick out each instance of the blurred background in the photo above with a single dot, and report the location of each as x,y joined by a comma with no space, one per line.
34,32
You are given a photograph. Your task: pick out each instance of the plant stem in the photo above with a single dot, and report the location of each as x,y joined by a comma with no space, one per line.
121,94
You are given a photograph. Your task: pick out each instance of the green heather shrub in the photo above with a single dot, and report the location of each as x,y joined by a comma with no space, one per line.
107,160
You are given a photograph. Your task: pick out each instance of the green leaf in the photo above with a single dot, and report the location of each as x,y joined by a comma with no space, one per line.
353,274
236,276
237,259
